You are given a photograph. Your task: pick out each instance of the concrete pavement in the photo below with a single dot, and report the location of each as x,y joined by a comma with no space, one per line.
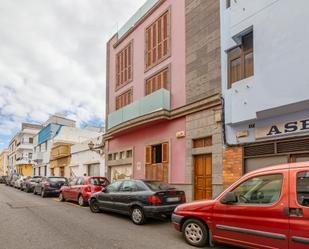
31,222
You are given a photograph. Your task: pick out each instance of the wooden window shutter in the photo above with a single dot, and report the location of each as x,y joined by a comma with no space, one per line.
165,153
124,65
158,81
148,154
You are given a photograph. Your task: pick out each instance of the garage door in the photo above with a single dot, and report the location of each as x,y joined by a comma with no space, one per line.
121,172
94,169
257,163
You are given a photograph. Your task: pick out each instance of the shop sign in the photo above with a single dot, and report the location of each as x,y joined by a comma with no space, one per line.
284,128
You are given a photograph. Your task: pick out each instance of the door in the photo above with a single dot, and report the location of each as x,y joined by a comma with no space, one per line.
76,189
106,198
202,177
257,218
299,209
68,192
125,196
94,169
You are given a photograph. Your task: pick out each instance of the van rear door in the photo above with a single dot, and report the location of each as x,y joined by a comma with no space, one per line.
299,208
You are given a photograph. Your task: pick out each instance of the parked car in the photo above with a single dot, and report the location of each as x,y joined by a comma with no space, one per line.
18,183
14,178
29,184
81,188
49,186
3,179
267,208
140,199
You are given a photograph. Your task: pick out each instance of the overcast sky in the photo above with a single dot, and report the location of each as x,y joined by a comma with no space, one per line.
52,59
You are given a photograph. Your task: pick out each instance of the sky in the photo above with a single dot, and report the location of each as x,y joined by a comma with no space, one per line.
52,59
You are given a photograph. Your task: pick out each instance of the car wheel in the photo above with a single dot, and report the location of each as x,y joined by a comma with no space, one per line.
138,216
43,193
81,201
195,232
94,206
61,197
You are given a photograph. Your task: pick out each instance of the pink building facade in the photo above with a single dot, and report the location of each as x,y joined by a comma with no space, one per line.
158,106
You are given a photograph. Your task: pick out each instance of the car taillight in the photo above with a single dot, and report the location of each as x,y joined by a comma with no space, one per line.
88,189
154,199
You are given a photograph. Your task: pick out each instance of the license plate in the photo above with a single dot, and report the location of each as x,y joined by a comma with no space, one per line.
172,199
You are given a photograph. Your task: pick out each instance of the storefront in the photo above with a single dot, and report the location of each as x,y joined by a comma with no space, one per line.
283,142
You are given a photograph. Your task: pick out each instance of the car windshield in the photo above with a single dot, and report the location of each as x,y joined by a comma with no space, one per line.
98,181
57,179
156,185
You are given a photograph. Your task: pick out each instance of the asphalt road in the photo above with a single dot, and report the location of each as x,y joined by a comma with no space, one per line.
31,222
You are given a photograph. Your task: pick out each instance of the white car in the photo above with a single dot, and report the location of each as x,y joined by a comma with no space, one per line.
18,182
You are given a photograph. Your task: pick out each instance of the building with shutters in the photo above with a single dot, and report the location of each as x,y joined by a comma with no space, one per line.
163,97
264,84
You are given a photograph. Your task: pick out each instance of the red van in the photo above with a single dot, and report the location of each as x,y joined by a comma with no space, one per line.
266,208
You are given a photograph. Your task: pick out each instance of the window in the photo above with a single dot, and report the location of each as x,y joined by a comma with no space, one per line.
124,66
228,3
158,81
121,155
129,154
80,181
115,156
240,60
202,142
259,190
114,187
30,155
30,140
128,186
157,39
110,157
156,160
46,146
303,188
124,99
98,181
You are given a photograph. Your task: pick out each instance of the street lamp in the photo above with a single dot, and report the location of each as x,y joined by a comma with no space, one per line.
98,148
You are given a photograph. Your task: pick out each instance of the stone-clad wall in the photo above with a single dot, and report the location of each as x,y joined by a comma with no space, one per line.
203,76
203,79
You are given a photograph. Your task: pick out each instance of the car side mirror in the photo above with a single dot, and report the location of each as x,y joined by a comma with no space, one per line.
229,198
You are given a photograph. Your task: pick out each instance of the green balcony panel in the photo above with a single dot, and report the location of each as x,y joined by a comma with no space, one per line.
159,100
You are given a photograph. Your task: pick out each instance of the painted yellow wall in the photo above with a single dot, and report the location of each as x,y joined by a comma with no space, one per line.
24,169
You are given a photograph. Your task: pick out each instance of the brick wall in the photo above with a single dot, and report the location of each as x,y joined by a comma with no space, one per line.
203,75
232,168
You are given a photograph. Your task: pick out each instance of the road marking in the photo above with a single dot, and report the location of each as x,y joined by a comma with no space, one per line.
69,203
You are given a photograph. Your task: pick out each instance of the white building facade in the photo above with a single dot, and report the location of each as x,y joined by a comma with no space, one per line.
86,161
265,80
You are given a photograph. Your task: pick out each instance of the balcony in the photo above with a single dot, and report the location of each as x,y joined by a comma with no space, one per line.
60,151
24,146
37,156
158,100
23,160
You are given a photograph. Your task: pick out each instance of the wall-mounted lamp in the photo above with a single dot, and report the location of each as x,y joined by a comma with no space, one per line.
99,148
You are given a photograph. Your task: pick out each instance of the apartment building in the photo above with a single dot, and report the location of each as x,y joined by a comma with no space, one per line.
52,151
163,97
264,84
4,162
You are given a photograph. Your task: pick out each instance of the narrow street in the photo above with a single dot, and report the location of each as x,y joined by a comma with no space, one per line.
28,221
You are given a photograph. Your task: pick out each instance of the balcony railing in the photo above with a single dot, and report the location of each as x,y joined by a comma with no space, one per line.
37,156
60,151
24,145
158,100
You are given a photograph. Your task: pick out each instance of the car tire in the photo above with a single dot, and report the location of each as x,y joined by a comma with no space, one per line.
195,232
138,216
94,206
43,195
61,197
81,201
